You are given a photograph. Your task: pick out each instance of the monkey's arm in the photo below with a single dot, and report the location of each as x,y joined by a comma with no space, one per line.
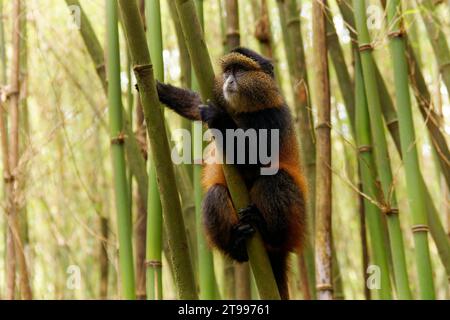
182,101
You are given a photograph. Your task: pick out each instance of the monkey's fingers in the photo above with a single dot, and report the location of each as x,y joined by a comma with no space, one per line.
251,215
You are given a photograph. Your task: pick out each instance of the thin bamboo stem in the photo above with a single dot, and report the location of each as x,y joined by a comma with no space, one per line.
323,157
154,214
414,185
14,152
118,155
207,278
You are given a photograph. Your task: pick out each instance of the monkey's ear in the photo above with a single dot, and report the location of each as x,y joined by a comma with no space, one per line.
266,64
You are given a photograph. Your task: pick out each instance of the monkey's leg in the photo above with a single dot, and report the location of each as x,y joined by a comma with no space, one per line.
279,212
182,101
280,208
222,225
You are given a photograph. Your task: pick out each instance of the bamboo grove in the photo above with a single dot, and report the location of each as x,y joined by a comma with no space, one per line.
94,207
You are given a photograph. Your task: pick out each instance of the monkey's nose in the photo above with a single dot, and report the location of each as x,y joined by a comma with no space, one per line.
231,85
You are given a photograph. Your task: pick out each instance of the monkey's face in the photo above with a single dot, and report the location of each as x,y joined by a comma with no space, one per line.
245,86
230,87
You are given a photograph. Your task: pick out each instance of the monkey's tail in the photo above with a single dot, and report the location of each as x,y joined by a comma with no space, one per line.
279,263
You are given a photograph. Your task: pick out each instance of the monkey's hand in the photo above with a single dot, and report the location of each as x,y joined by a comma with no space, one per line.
240,233
212,115
251,215
250,219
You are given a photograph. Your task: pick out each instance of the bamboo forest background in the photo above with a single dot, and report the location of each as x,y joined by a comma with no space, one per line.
83,216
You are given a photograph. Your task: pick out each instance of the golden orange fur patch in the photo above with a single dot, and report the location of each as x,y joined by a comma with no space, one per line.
238,59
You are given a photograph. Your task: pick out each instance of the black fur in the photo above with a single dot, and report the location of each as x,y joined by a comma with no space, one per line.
271,118
182,101
278,262
229,237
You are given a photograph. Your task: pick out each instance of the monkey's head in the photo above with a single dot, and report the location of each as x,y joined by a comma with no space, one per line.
247,82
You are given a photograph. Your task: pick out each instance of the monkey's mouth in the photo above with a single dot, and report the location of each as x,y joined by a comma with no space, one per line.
230,90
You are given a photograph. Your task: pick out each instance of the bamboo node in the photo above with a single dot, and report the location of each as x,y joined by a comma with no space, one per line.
391,122
364,148
262,29
120,139
9,178
396,34
324,287
141,296
101,67
154,264
292,21
324,125
420,228
232,33
10,91
143,73
365,47
331,33
390,211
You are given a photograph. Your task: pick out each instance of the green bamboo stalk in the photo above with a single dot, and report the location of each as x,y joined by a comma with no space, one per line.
383,163
173,219
389,201
154,212
415,188
154,240
186,72
390,116
323,237
293,44
118,156
368,173
203,68
438,39
207,278
154,36
129,97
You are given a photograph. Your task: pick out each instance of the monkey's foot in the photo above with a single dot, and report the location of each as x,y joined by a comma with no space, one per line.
253,216
241,232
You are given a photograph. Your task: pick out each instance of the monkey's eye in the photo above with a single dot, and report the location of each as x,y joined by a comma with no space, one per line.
227,73
239,73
